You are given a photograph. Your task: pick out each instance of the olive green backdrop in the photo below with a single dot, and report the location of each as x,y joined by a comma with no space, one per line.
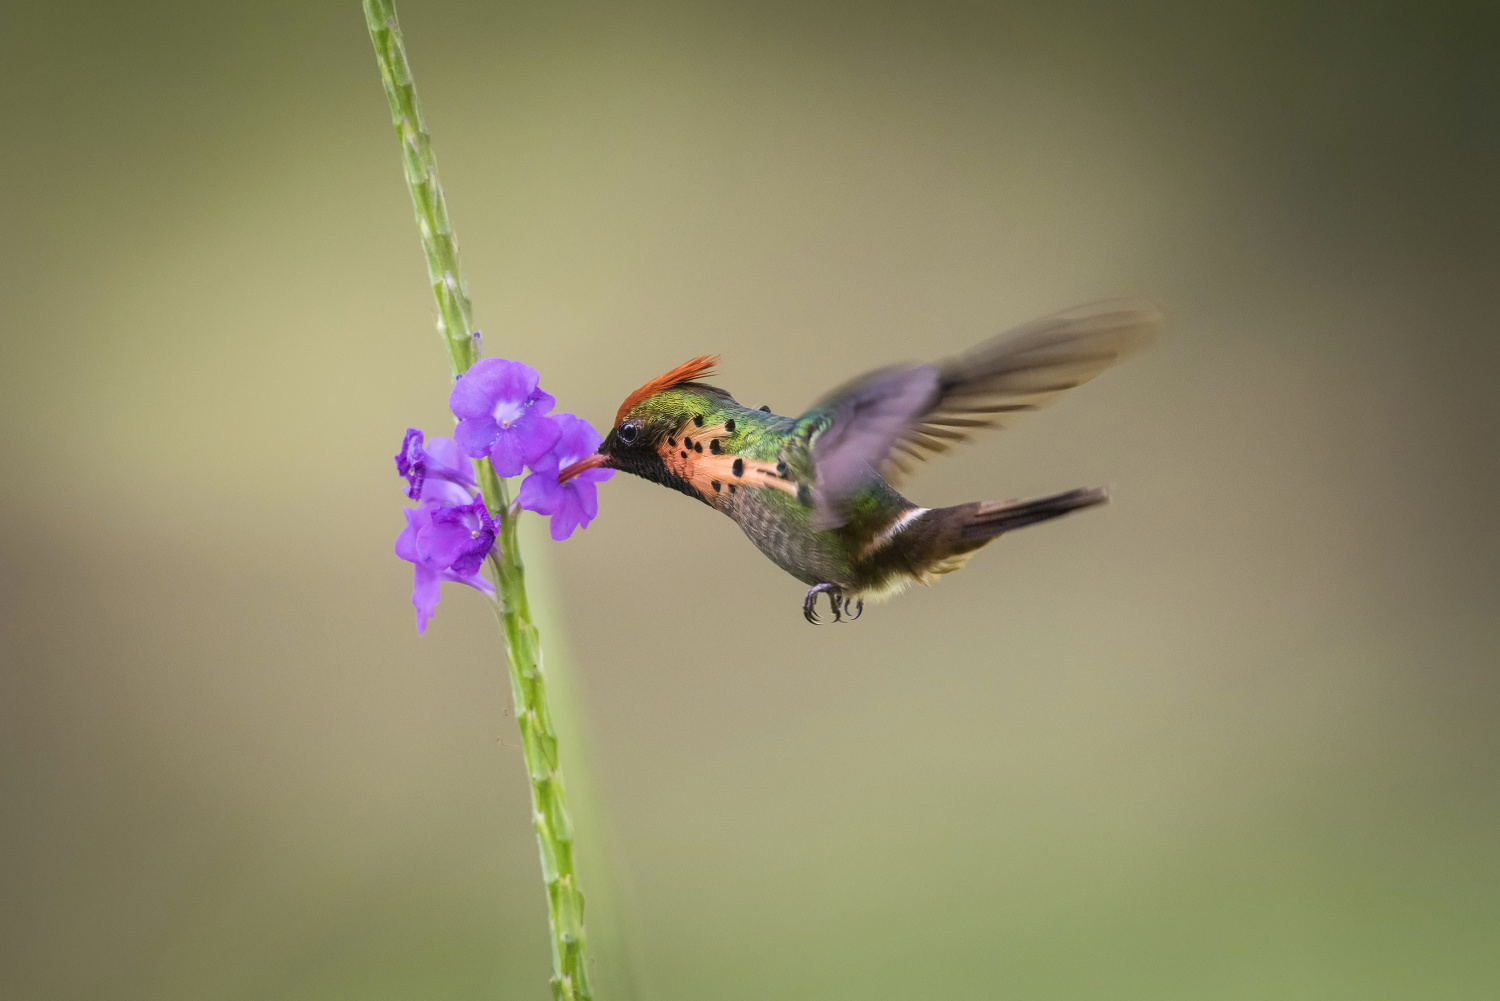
1234,737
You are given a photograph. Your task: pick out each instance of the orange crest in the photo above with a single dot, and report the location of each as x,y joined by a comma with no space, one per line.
686,372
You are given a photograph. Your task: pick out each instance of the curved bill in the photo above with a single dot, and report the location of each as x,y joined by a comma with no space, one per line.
595,461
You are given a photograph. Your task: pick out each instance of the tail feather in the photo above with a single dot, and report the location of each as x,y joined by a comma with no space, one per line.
990,518
926,544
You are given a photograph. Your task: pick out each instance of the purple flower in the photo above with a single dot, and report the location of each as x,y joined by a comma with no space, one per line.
502,414
575,502
445,542
435,471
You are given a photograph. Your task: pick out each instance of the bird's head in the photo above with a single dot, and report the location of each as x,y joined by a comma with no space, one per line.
649,422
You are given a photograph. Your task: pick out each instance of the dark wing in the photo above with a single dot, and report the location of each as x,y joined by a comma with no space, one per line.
893,417
854,429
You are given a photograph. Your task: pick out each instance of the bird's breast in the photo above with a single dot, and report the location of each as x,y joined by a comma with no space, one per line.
697,456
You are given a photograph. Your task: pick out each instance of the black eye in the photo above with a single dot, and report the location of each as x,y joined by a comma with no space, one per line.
629,432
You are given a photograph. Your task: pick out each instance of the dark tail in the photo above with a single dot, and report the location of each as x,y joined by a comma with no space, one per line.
927,543
987,519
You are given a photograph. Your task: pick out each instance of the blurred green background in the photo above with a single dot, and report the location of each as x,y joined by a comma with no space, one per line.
1234,737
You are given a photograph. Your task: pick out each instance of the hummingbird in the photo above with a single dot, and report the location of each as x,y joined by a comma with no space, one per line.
816,493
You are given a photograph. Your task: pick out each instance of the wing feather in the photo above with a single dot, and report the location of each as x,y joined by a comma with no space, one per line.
890,417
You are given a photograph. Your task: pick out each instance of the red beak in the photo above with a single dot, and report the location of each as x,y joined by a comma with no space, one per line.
595,461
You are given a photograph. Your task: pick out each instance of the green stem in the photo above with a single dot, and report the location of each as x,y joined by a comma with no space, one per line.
455,320
549,811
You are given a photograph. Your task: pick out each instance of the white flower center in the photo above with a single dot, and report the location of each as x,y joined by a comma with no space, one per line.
507,412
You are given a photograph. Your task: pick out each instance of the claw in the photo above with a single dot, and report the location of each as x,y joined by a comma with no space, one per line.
810,603
854,609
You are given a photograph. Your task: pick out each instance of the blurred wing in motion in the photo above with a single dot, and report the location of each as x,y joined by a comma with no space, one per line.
891,418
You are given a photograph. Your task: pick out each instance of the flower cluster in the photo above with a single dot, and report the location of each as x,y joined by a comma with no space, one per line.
504,416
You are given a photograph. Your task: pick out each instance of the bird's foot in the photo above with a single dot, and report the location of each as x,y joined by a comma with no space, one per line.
839,604
810,603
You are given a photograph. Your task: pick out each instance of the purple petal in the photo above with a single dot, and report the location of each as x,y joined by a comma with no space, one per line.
540,491
444,541
538,434
525,442
425,590
430,522
444,492
481,538
508,453
477,582
588,500
447,478
546,463
576,439
541,402
444,459
417,518
411,462
472,558
489,382
575,510
411,451
475,435
574,504
424,594
563,522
